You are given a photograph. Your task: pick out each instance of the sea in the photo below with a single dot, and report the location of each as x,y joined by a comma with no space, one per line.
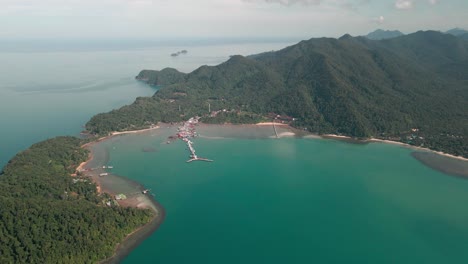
263,199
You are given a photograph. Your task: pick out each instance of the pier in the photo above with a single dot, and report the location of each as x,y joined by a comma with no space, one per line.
276,132
187,131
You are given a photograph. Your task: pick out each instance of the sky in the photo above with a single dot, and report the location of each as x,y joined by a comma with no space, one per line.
160,19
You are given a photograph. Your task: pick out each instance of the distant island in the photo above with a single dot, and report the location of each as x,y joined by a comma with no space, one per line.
179,53
380,34
410,89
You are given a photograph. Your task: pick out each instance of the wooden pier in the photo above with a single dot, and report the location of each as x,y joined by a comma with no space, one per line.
186,132
200,159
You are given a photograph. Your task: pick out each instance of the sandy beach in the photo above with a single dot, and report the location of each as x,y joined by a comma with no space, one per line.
417,148
115,133
376,140
134,131
270,124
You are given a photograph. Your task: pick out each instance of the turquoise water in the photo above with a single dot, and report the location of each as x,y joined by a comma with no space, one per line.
295,201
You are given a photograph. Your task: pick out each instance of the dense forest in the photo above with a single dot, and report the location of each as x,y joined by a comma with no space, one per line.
412,88
48,216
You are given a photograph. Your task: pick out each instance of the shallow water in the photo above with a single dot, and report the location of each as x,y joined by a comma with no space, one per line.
295,201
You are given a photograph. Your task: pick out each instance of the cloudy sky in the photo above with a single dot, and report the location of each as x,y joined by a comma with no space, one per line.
223,18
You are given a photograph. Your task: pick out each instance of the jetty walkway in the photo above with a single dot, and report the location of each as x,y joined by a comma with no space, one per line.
187,131
276,132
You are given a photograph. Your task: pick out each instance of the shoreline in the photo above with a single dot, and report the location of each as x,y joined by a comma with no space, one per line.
135,238
418,148
142,201
376,140
116,133
270,124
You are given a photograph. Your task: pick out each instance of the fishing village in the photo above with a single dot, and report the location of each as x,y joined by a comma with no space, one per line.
185,132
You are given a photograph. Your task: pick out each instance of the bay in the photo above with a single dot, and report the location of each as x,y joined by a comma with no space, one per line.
295,201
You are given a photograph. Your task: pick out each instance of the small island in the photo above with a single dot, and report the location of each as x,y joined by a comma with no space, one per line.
175,54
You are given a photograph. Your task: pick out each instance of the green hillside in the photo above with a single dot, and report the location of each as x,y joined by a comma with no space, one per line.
413,89
46,217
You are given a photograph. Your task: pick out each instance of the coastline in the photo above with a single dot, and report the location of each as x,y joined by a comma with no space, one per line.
376,140
270,124
418,148
139,200
134,239
115,133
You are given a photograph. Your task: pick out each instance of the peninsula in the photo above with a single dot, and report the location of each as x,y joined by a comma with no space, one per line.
51,214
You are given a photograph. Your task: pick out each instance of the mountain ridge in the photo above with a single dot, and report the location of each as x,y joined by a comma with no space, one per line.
457,31
380,34
351,86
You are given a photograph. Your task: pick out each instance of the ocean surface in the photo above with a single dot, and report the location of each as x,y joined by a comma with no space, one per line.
294,201
262,200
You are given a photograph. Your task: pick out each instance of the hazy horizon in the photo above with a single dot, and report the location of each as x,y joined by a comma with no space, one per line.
163,19
101,44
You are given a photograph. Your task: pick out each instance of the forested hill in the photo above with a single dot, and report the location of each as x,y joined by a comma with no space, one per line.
47,216
412,88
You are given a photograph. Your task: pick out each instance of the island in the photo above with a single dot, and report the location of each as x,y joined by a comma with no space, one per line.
408,90
179,53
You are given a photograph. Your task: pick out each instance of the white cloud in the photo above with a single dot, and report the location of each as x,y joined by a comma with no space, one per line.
287,2
379,20
404,4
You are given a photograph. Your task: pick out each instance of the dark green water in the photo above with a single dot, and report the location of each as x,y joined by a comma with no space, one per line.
296,201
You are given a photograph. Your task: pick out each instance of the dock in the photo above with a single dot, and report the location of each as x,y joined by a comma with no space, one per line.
200,159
